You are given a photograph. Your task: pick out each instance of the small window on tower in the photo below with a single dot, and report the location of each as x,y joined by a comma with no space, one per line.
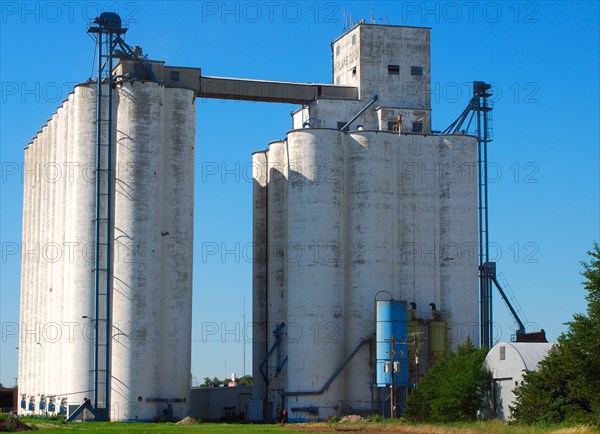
174,75
354,71
394,69
416,70
337,50
502,353
337,80
417,127
354,39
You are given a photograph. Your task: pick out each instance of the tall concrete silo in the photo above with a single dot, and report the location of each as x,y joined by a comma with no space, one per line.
371,202
151,193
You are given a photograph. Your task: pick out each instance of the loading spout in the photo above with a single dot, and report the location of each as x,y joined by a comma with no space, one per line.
521,329
335,373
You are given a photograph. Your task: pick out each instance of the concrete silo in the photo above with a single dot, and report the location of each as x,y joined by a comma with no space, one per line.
151,195
363,199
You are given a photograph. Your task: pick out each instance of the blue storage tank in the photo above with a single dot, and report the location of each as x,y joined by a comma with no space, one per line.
391,320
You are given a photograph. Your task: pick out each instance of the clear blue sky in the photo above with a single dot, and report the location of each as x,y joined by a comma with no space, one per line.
542,58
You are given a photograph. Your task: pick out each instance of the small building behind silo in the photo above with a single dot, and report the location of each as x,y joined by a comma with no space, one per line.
508,362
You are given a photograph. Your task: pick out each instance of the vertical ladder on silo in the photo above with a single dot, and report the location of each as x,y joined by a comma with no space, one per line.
103,225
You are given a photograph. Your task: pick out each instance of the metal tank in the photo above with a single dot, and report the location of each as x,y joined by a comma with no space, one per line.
391,352
391,340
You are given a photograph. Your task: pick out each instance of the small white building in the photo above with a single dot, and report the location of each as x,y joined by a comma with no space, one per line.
507,361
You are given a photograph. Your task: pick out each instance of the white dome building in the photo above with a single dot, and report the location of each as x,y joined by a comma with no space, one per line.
507,361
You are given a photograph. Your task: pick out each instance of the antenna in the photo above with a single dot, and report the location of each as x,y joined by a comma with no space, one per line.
345,19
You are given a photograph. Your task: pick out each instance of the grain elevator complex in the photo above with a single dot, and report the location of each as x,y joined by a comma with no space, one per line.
365,235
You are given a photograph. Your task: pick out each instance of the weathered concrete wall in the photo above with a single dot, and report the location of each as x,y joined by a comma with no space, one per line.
153,232
365,211
55,351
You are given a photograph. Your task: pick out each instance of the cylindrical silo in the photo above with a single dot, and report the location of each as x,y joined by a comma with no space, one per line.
314,273
458,232
391,331
50,254
372,260
59,239
278,169
28,327
78,311
260,329
41,279
25,272
137,272
72,173
176,247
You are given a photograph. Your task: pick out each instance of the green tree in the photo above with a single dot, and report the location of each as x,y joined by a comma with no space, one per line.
246,380
453,389
208,382
566,386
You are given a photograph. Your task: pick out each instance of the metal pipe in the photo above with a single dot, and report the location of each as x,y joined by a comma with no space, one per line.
334,375
345,127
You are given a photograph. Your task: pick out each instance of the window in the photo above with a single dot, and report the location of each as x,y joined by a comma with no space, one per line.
340,125
354,39
354,71
394,69
417,127
416,70
337,50
174,75
502,353
393,126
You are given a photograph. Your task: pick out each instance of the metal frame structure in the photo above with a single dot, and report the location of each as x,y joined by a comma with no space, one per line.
479,108
107,31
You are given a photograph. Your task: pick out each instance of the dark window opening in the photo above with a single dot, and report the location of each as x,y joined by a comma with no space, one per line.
393,126
417,127
340,125
416,70
354,39
394,69
354,71
337,50
174,75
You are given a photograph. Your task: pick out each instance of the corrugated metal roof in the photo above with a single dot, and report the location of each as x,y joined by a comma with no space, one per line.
531,352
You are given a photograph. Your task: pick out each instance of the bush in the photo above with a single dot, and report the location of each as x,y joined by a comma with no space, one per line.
453,389
566,387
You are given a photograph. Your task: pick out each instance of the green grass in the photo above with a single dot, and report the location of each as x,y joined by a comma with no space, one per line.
493,427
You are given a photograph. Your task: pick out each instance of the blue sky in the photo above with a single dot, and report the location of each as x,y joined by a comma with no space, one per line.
543,59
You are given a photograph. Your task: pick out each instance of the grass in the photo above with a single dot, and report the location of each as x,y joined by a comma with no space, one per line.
491,427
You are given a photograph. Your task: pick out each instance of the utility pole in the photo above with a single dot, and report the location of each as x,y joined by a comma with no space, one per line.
392,391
